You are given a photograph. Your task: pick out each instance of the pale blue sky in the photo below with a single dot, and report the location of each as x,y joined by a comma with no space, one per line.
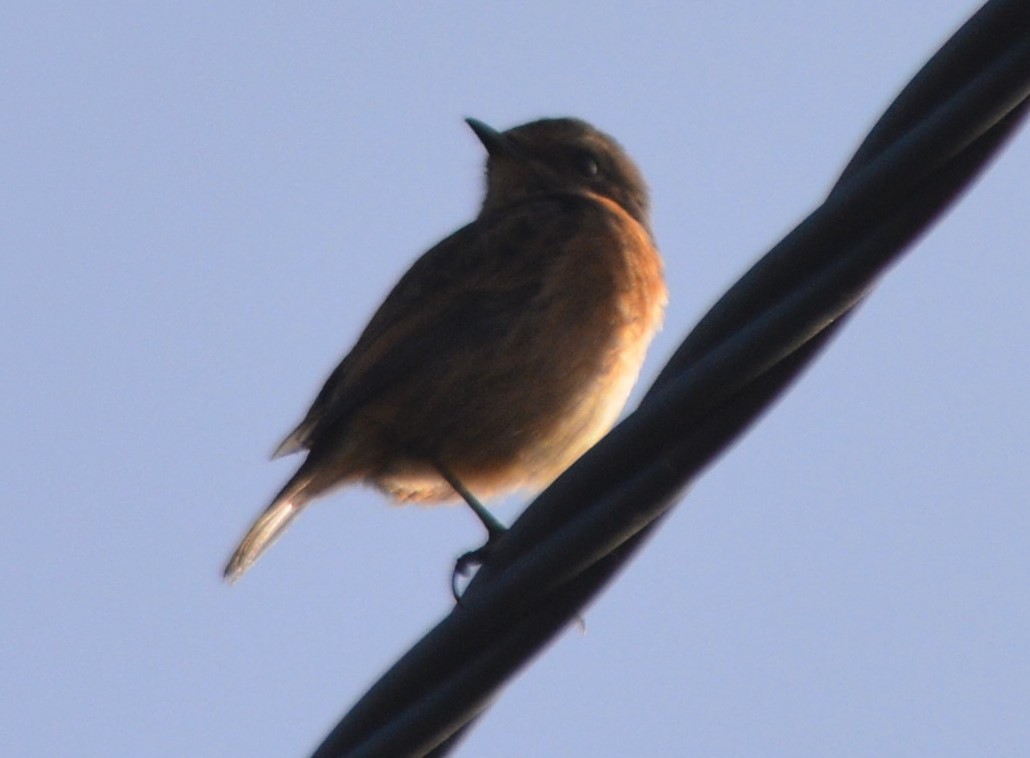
203,202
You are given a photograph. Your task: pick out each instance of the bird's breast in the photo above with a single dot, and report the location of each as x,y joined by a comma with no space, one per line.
595,317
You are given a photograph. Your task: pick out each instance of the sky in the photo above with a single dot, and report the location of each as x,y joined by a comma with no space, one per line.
203,203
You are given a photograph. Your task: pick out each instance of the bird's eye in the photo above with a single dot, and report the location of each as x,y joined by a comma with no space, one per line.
585,163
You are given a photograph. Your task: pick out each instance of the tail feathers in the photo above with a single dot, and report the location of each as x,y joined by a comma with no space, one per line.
264,532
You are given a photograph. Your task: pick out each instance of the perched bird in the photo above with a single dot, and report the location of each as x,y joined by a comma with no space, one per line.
505,351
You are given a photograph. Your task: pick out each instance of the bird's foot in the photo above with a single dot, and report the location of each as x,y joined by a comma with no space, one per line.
469,561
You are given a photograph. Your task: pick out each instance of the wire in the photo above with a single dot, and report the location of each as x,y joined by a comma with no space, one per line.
930,144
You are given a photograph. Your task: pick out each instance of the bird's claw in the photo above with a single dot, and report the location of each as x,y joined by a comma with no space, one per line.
465,564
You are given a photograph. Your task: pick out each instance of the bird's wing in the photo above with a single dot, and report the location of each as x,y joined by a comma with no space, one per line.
459,293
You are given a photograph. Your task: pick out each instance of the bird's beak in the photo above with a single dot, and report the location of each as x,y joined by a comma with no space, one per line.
496,144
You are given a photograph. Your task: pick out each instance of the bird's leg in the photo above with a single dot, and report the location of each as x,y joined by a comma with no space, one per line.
494,529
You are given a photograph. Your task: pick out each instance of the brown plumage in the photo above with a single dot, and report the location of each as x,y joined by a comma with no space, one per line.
505,351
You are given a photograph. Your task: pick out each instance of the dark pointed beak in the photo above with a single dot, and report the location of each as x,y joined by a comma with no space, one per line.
496,144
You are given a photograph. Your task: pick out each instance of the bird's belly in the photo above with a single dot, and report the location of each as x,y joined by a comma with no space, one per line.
518,436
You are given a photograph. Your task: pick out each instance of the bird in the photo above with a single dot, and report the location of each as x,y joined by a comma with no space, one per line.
505,351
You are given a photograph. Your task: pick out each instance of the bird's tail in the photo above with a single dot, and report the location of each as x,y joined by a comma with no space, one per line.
269,525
